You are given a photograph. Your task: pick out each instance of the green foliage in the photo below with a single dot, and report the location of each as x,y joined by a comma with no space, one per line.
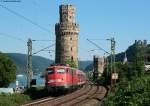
138,60
71,63
129,70
7,71
13,99
133,85
121,69
132,93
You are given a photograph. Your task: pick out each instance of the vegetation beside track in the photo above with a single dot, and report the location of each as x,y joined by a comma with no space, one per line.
133,86
17,99
13,99
133,93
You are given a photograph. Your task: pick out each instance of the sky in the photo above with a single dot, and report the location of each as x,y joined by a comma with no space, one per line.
125,20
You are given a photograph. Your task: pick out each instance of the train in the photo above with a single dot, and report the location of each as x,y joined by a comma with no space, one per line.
63,77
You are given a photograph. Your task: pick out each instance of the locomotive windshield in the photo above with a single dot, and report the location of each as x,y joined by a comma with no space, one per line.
49,71
61,71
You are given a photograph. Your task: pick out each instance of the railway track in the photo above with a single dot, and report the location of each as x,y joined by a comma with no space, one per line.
77,98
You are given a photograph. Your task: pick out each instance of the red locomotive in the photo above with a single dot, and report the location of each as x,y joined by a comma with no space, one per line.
61,77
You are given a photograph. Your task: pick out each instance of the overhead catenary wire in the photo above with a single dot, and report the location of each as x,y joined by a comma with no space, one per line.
44,49
11,36
97,39
43,40
25,18
98,46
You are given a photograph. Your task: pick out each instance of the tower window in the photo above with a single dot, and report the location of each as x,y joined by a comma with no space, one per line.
72,58
70,17
71,38
71,48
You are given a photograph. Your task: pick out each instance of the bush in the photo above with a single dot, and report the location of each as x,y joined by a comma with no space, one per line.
134,93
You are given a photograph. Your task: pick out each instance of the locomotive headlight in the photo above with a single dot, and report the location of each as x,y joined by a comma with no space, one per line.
56,80
51,80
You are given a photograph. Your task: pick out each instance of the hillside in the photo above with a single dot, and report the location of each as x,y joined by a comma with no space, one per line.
84,64
38,63
130,53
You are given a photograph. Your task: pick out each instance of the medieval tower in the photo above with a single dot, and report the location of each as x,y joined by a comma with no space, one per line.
66,35
98,65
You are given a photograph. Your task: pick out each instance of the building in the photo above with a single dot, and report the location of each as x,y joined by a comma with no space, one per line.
66,35
141,43
98,64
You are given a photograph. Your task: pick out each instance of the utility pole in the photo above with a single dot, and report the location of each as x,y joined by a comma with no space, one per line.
113,44
29,63
107,64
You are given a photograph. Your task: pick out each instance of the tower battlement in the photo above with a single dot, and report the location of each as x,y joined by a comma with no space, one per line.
141,43
67,13
73,27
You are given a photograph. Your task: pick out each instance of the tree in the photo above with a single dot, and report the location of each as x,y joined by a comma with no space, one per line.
7,71
138,60
71,63
123,70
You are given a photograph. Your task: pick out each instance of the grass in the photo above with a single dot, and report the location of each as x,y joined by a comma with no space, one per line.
13,99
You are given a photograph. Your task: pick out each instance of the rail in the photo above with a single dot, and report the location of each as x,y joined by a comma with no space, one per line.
79,97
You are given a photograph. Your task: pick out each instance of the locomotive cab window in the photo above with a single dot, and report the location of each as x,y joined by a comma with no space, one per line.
50,71
61,71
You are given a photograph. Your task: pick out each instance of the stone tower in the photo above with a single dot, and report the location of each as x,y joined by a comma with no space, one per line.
98,64
66,35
